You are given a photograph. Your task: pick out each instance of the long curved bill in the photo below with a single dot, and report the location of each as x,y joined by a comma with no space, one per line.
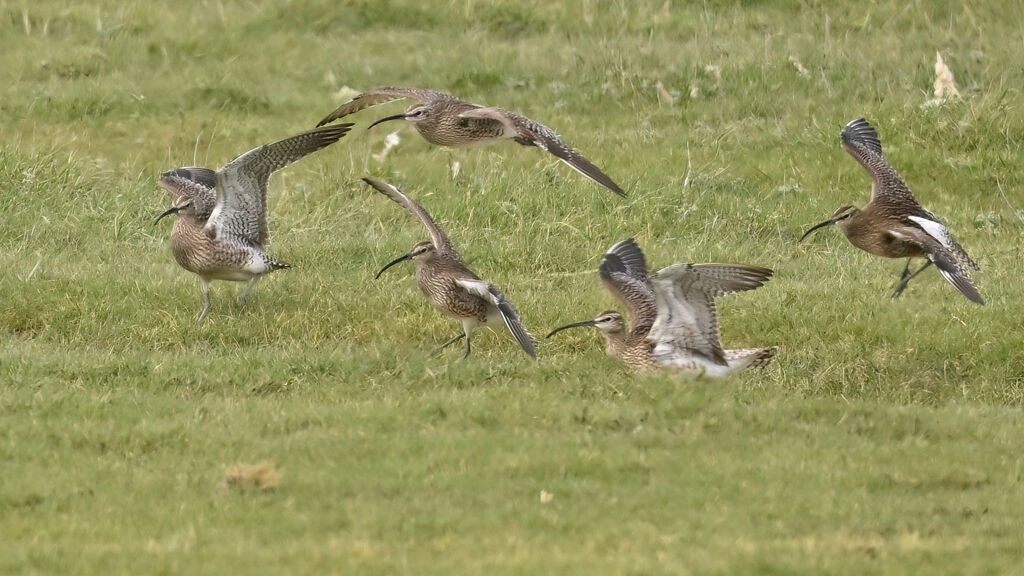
387,119
573,325
828,222
393,262
173,210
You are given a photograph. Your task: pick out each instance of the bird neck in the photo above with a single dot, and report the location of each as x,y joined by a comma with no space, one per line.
614,342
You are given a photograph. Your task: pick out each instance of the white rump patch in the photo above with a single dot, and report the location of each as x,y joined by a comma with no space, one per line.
935,230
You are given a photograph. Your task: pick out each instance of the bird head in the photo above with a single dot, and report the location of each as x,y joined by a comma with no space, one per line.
415,113
839,218
183,204
419,254
609,322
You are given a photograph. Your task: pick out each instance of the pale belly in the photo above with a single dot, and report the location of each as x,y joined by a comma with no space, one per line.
214,260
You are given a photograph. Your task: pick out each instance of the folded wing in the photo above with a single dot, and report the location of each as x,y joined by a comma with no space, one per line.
947,255
509,315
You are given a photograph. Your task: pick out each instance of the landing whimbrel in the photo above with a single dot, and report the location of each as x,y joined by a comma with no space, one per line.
893,224
675,324
445,120
449,284
221,231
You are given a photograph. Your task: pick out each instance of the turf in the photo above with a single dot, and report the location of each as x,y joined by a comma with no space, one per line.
884,439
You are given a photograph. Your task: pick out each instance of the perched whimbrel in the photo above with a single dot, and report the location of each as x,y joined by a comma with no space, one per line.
893,224
675,323
449,284
445,120
221,231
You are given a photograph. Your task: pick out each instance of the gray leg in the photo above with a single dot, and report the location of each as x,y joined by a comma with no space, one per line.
466,355
906,271
906,277
206,301
449,343
244,296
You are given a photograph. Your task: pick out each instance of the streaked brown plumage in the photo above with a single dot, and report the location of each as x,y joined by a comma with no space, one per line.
449,284
221,232
445,120
893,224
675,323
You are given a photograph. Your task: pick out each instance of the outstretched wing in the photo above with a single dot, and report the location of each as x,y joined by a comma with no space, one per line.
380,96
241,209
624,273
947,255
860,140
509,315
687,318
531,133
437,236
202,176
197,184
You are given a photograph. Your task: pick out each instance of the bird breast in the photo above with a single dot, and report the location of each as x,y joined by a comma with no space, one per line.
881,238
456,132
448,297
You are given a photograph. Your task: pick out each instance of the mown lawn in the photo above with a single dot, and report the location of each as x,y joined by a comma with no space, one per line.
884,439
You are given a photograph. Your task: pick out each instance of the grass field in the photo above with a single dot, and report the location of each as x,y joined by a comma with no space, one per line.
884,439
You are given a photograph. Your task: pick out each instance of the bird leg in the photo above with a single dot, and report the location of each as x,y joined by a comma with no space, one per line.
449,343
906,277
467,328
206,301
906,271
244,296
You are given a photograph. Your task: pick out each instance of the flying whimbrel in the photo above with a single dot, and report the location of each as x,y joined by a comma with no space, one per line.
675,323
449,284
221,232
445,120
893,224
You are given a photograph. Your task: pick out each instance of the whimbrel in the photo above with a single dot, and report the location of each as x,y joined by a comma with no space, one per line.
221,232
893,224
449,284
445,120
675,323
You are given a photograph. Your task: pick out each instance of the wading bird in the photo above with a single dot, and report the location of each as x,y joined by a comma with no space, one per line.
893,224
449,284
675,323
221,232
445,120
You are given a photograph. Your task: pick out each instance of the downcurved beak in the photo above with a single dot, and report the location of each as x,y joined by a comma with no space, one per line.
173,210
573,325
387,119
828,222
393,262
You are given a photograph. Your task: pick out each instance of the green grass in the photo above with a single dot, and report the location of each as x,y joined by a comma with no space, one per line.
884,439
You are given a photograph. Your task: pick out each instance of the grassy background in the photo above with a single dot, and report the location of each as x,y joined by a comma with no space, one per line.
885,439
